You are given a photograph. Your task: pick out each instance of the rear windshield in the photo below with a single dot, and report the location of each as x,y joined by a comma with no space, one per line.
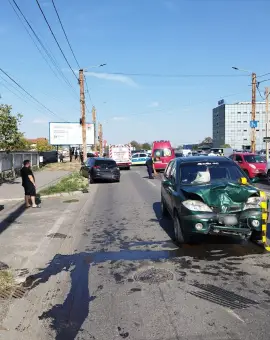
162,153
104,162
254,159
207,172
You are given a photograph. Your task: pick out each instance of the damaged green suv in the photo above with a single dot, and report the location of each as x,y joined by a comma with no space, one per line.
211,195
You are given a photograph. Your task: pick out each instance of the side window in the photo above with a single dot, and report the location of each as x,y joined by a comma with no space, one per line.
89,162
173,172
136,155
231,157
238,158
168,170
143,155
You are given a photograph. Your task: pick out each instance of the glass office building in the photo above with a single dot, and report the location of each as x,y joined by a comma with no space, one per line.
231,125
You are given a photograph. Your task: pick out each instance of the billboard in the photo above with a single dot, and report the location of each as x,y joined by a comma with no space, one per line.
70,134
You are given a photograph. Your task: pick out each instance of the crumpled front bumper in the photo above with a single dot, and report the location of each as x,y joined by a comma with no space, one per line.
215,223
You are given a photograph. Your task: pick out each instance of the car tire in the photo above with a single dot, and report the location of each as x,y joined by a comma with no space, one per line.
91,181
180,236
255,236
128,168
164,210
268,176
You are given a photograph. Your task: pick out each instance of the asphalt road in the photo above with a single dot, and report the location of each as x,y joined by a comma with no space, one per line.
120,276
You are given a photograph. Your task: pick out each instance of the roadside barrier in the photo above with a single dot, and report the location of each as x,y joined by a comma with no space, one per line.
264,206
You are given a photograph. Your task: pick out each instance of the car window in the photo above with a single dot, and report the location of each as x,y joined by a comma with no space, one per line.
143,155
254,159
173,172
105,163
89,162
136,155
238,158
168,170
231,157
162,153
203,173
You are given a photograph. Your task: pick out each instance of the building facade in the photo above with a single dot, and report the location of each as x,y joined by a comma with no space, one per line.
231,125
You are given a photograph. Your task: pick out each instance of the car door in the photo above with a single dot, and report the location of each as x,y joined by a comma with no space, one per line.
135,158
166,186
171,188
86,167
143,158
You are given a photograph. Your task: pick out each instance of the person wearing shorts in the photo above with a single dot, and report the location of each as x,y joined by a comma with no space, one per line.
28,182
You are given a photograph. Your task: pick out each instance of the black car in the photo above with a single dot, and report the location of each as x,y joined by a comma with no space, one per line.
96,168
211,195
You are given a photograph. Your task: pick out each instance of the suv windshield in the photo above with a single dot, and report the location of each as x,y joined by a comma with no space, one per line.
105,163
207,172
162,153
254,159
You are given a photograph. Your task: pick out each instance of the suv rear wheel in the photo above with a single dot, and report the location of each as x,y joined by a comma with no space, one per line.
91,181
163,207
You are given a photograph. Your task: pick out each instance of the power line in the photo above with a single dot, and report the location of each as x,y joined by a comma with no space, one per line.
29,94
71,49
63,54
156,75
52,59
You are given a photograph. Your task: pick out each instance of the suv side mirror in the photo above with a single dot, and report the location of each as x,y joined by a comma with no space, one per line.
166,182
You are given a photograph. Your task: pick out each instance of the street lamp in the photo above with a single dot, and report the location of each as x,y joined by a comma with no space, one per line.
96,66
253,123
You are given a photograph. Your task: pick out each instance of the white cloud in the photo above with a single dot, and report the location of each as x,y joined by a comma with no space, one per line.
114,77
119,118
40,121
154,104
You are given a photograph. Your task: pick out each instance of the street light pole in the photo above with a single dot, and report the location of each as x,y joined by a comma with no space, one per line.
267,120
253,115
82,100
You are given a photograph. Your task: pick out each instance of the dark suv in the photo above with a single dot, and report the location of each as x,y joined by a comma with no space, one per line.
96,168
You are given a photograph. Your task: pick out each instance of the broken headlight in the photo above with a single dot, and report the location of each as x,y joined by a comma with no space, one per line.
196,206
254,202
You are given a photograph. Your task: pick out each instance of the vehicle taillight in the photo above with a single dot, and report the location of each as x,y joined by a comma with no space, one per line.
96,167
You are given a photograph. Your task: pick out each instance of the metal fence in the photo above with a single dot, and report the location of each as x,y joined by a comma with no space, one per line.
13,161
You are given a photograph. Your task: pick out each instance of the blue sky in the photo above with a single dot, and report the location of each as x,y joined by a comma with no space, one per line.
183,37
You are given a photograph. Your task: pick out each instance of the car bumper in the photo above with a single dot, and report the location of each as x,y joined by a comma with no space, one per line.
108,176
260,174
212,223
160,166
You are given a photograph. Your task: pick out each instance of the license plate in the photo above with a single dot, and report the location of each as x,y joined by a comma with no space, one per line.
228,220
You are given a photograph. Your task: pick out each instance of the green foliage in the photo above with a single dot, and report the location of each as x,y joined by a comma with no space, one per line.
135,145
225,146
70,183
43,145
146,146
10,136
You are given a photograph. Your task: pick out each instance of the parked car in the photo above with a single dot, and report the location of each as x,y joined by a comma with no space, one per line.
162,153
139,158
253,165
96,168
211,195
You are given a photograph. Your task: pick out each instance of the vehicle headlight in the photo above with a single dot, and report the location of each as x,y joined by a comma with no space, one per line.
196,206
254,202
252,166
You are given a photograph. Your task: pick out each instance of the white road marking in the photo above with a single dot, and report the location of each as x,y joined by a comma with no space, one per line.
151,183
234,314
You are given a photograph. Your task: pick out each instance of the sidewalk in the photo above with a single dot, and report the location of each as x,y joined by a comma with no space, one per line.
14,191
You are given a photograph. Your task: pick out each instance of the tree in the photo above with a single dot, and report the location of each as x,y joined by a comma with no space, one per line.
146,146
43,145
207,140
10,136
135,145
225,146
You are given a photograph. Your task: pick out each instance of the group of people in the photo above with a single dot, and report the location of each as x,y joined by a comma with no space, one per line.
76,154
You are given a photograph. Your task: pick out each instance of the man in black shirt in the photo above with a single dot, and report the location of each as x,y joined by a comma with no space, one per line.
28,182
150,167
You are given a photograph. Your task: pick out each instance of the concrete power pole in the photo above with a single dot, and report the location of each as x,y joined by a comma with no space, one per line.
94,119
253,115
83,122
100,140
267,120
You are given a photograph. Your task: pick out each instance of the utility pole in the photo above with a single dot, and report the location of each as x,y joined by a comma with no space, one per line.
100,140
94,119
83,122
267,120
253,115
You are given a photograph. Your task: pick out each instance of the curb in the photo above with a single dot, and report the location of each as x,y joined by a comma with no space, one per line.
60,194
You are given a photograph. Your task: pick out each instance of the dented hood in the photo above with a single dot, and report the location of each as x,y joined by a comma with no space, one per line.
222,194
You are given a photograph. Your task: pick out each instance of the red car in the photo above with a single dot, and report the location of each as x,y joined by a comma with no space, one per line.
162,153
253,165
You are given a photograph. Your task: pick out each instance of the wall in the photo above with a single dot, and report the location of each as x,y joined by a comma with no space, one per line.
13,161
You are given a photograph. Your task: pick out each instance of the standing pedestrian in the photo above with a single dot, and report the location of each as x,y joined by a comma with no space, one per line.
61,157
150,168
76,154
28,182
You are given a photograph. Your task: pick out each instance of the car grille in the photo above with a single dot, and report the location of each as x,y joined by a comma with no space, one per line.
230,209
